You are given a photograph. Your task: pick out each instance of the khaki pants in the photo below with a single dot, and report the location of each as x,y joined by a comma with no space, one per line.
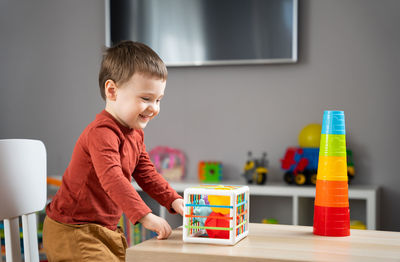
87,242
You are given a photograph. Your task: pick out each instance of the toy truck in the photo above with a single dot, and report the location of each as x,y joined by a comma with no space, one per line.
255,169
301,165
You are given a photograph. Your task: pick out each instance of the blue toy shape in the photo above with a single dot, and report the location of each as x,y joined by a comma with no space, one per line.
201,211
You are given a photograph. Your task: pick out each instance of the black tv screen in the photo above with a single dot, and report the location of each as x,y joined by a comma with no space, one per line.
209,32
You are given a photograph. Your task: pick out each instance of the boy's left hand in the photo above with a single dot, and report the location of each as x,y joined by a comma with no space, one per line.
178,206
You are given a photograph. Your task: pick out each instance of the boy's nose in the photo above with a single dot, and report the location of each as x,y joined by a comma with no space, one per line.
154,107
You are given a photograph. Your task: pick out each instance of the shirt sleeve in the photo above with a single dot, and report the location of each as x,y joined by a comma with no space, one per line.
153,183
103,146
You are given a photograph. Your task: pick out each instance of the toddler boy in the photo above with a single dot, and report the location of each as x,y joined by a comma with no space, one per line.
81,221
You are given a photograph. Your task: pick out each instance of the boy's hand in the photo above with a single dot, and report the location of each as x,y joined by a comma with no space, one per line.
178,206
156,224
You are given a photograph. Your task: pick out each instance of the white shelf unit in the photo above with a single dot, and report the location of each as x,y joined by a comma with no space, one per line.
302,200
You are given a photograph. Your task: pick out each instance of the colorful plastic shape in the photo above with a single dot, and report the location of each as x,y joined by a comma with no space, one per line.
217,220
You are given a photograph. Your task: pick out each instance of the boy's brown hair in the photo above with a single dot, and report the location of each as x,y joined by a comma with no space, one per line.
126,58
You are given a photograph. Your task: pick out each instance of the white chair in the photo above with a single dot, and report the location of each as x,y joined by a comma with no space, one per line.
22,193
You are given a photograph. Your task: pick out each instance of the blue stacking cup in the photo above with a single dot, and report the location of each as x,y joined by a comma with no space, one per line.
333,123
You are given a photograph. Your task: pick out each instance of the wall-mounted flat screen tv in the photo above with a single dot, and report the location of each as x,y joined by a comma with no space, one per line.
209,32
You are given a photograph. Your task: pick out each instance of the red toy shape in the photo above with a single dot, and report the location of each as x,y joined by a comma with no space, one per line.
217,220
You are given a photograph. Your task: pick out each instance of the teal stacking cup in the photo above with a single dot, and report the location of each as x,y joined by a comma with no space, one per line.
333,123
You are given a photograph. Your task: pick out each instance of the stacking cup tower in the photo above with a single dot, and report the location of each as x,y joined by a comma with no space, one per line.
331,206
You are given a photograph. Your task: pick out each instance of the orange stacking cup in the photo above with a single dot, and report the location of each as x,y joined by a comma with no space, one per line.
332,193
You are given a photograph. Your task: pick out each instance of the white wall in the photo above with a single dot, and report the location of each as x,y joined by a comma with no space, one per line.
349,60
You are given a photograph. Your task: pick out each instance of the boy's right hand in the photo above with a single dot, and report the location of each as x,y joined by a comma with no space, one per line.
156,224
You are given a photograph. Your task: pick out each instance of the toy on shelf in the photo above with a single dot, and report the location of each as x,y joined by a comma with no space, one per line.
269,221
331,205
301,163
255,170
169,162
210,171
350,165
216,214
357,224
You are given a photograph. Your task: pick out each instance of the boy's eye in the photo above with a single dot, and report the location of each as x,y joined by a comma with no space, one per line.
146,98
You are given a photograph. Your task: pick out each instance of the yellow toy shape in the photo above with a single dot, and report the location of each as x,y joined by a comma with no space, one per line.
220,201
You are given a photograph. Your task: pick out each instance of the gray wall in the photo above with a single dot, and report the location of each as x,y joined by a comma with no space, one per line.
349,60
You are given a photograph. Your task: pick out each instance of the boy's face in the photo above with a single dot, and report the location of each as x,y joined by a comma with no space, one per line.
136,101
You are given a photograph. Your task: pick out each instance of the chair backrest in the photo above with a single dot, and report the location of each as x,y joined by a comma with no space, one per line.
22,193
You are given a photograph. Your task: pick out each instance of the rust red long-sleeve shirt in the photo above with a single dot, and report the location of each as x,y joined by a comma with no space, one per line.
96,186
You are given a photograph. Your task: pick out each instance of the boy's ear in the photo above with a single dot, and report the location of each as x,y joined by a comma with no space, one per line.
110,90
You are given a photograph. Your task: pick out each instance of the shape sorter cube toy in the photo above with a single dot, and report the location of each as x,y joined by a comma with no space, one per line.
216,214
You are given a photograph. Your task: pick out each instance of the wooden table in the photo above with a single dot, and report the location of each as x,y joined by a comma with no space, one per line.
275,243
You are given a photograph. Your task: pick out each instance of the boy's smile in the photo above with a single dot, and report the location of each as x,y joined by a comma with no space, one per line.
135,102
145,118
